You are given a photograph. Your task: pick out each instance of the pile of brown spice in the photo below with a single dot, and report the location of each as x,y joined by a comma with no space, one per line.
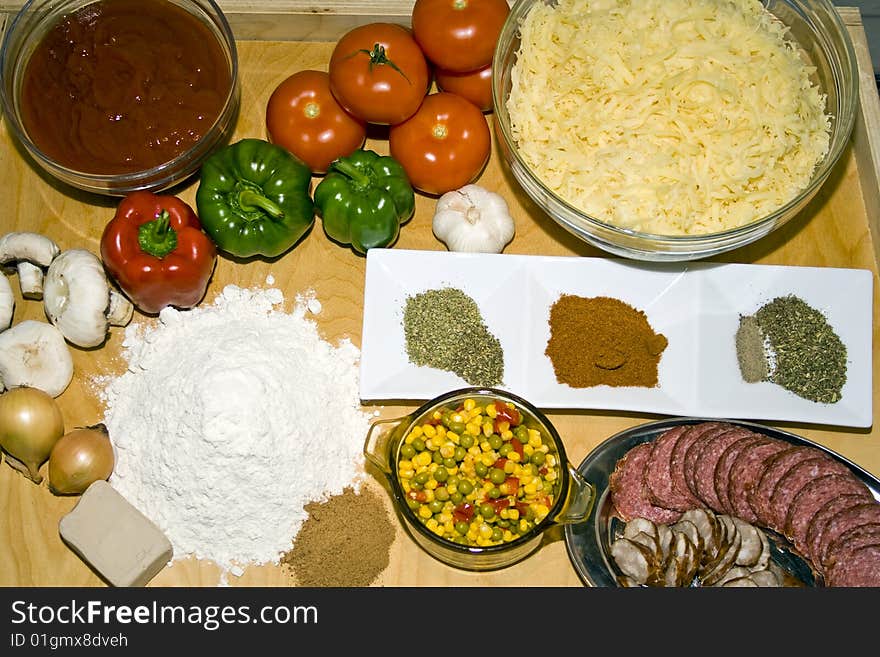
345,541
602,341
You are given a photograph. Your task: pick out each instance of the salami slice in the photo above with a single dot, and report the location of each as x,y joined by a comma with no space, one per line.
846,543
658,476
725,463
819,521
709,431
707,459
791,483
813,497
676,461
842,522
628,491
860,568
744,475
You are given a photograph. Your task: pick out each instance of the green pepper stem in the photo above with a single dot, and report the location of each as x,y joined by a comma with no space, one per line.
248,199
156,237
352,172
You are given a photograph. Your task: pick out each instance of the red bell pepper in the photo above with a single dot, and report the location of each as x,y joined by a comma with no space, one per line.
156,251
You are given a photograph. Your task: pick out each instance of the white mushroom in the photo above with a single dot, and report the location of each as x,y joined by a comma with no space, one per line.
32,253
35,354
7,303
77,298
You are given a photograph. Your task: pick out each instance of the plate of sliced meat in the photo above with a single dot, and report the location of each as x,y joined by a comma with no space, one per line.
706,502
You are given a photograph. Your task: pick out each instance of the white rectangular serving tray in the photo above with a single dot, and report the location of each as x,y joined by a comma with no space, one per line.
696,305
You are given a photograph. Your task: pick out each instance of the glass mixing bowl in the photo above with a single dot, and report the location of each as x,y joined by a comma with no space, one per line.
573,500
25,32
824,40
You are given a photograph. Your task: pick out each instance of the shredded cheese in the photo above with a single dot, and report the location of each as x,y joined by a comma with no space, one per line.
672,117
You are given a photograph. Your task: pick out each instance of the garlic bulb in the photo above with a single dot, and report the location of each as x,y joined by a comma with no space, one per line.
473,219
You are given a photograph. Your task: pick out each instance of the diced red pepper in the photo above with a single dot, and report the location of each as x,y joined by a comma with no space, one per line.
463,511
517,447
504,412
500,463
418,495
510,486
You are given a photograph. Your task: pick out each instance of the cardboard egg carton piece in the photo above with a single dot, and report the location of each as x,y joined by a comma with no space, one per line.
125,547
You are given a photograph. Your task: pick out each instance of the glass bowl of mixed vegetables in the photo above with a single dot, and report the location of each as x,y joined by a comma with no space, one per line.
477,476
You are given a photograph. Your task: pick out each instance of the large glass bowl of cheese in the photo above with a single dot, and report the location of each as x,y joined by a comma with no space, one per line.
670,130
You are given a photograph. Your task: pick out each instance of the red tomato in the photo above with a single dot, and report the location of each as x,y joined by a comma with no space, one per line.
303,117
379,73
459,35
444,145
476,86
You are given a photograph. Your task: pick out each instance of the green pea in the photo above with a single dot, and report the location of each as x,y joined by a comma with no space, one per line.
521,433
462,527
457,427
465,487
497,475
481,469
407,451
422,477
412,504
437,457
460,453
494,492
441,494
495,441
440,474
504,524
466,441
456,497
418,444
537,458
505,449
449,462
487,510
435,505
416,485
530,513
497,534
452,481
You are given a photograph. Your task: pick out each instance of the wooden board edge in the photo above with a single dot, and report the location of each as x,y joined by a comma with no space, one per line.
866,132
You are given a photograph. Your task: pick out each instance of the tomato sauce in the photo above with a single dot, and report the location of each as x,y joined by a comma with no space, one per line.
123,85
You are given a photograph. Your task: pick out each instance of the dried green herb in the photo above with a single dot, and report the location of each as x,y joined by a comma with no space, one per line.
445,330
809,358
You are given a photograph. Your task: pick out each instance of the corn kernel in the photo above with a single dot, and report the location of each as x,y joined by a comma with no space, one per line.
504,514
485,531
506,434
491,410
429,430
440,530
432,524
447,451
514,457
422,458
488,429
485,446
541,510
503,425
458,418
445,517
469,404
441,431
473,428
528,450
475,415
406,473
425,512
513,513
508,535
551,460
487,459
523,525
430,485
550,476
530,489
509,465
415,433
535,438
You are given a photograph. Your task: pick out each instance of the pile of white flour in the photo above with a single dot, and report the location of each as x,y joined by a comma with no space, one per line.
231,417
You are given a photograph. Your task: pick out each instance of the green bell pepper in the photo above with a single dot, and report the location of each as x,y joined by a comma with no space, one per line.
364,199
253,198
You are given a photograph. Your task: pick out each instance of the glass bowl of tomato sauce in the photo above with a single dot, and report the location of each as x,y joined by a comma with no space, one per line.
113,96
477,476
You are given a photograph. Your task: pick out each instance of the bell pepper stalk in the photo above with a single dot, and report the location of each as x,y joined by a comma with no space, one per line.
253,199
156,251
364,199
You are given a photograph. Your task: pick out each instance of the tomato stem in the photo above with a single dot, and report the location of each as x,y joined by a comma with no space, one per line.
378,57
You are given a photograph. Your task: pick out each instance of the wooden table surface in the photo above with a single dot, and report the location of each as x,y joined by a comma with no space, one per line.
838,229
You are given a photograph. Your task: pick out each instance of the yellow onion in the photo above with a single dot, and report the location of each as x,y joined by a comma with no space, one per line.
80,458
30,425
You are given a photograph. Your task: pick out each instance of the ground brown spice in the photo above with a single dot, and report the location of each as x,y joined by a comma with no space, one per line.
602,341
344,542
